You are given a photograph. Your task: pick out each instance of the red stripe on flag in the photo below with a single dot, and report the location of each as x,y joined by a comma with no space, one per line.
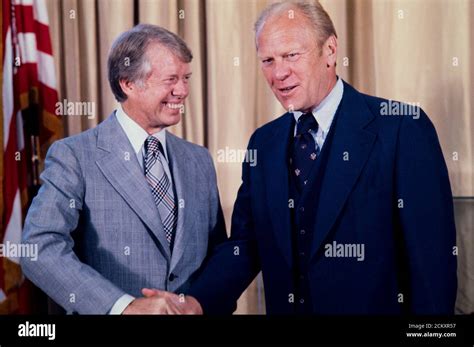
24,19
43,40
26,78
6,22
26,23
48,98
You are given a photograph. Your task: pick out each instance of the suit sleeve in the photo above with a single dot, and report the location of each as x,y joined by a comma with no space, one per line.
217,233
53,215
233,264
425,209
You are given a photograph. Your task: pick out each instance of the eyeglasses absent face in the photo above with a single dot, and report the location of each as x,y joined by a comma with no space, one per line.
158,100
292,62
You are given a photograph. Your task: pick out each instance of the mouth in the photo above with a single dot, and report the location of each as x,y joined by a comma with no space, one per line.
172,105
287,90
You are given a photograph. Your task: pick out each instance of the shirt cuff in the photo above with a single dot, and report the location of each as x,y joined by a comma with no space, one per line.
121,304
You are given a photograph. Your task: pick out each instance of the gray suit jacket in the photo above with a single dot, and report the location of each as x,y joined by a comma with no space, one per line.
98,230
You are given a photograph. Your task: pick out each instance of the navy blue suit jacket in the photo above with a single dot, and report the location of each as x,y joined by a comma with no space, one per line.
374,161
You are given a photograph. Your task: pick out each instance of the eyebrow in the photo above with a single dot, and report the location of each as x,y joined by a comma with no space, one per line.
294,50
176,76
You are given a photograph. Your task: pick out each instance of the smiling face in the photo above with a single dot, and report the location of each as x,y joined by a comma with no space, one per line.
158,101
293,65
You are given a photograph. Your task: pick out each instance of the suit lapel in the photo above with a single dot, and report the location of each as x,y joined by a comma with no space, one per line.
120,167
184,168
275,166
352,139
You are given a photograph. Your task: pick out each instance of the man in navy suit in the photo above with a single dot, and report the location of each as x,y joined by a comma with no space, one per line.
349,210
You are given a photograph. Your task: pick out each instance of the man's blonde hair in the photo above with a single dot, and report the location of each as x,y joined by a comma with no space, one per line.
311,10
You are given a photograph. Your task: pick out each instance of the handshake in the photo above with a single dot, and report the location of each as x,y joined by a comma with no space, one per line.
161,302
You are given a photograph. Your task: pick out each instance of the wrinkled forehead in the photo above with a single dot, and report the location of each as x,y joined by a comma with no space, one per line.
285,31
164,59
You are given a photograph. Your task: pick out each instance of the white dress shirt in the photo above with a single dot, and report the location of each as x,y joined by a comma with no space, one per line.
137,136
324,113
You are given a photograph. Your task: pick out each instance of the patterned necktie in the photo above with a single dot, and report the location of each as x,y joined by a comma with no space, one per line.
304,149
161,186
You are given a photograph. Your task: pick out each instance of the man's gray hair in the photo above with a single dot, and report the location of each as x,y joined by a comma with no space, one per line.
128,59
311,10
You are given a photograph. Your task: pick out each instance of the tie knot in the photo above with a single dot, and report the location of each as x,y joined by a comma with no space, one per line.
306,122
153,145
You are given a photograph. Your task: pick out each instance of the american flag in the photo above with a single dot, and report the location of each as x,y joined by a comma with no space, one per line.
28,125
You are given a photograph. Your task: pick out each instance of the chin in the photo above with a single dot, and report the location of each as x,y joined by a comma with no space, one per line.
173,119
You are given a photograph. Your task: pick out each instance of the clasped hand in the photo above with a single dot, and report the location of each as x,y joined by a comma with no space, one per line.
161,302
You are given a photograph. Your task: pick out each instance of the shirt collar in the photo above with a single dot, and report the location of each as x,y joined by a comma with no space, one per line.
325,111
136,134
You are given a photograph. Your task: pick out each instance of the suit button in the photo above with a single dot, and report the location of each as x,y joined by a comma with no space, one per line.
171,277
302,232
302,254
302,277
301,301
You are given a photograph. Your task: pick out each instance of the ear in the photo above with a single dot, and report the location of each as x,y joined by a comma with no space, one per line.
330,51
127,87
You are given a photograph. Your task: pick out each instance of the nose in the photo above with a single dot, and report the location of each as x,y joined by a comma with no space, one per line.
281,71
181,89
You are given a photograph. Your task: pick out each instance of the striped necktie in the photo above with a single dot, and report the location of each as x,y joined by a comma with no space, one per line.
161,186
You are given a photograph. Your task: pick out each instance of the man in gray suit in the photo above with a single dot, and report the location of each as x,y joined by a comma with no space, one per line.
127,205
